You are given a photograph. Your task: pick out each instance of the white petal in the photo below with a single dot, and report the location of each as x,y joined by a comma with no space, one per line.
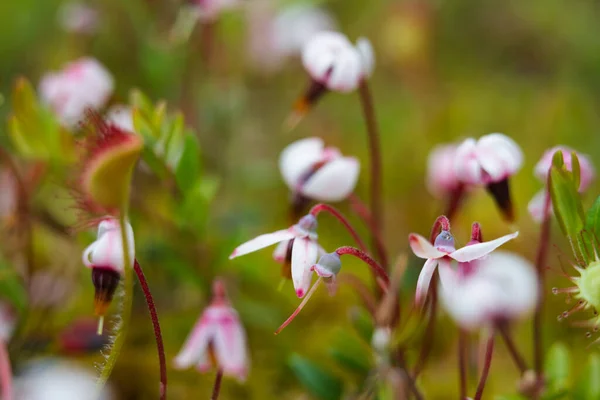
441,178
536,206
424,281
121,116
194,348
107,250
304,256
475,251
280,252
346,72
334,181
298,158
499,156
471,303
321,52
422,248
367,55
466,165
262,241
230,346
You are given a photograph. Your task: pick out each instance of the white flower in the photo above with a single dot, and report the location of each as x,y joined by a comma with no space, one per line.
318,172
82,84
441,177
333,61
121,116
107,251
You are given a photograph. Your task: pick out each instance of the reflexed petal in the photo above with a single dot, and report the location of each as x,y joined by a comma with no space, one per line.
466,166
499,156
261,242
304,256
107,250
230,346
298,158
346,72
194,348
280,252
424,281
334,181
367,56
321,52
86,255
422,248
475,251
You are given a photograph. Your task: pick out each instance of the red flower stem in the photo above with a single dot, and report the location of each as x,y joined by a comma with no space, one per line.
366,101
375,267
540,261
5,373
318,208
489,351
512,348
462,363
363,212
157,333
300,307
217,386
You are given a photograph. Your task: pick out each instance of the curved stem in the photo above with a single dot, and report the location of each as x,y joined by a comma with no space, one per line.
540,261
5,373
375,267
376,169
489,351
156,325
300,307
462,363
363,213
512,348
340,217
217,385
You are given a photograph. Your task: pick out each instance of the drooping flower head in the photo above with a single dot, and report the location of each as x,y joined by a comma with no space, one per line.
304,249
335,64
586,172
490,161
313,171
81,85
218,339
442,253
105,259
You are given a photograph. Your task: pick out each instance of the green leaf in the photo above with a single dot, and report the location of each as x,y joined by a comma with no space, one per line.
11,286
592,220
315,379
350,354
193,210
187,171
139,100
588,385
558,367
566,202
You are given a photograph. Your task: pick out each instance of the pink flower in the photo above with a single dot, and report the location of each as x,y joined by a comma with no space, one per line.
587,173
318,172
334,62
442,252
305,249
218,340
78,18
82,84
489,162
441,176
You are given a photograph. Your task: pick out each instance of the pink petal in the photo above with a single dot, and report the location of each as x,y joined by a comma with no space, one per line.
536,206
422,248
304,256
230,346
298,158
280,252
334,181
475,251
194,348
441,178
499,156
466,165
425,280
261,242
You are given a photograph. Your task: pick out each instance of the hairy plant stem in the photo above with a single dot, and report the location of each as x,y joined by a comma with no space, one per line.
489,352
126,305
366,101
5,373
156,325
377,269
318,208
520,362
540,261
217,386
462,363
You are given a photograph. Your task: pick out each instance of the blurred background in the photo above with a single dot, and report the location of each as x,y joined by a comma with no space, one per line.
445,70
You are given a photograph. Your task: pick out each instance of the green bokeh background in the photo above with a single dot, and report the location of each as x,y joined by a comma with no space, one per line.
445,70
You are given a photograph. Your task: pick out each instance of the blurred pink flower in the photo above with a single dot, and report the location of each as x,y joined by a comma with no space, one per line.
218,340
442,252
121,116
441,176
8,321
305,249
78,18
82,84
337,64
587,174
318,172
209,10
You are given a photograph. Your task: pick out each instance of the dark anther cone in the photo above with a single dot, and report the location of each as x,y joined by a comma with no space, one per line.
286,266
105,281
501,193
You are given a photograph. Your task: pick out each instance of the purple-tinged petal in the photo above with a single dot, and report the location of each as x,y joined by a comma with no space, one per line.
422,248
425,280
230,345
261,242
334,181
195,346
475,251
304,256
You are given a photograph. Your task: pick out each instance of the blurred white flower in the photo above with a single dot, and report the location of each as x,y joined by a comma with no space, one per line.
121,116
441,176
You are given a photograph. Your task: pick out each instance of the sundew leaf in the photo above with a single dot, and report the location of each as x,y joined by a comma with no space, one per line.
315,379
588,385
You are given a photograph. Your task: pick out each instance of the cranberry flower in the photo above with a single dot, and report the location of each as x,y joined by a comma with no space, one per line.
82,84
316,172
105,258
443,251
537,204
490,161
218,339
305,249
121,116
441,176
